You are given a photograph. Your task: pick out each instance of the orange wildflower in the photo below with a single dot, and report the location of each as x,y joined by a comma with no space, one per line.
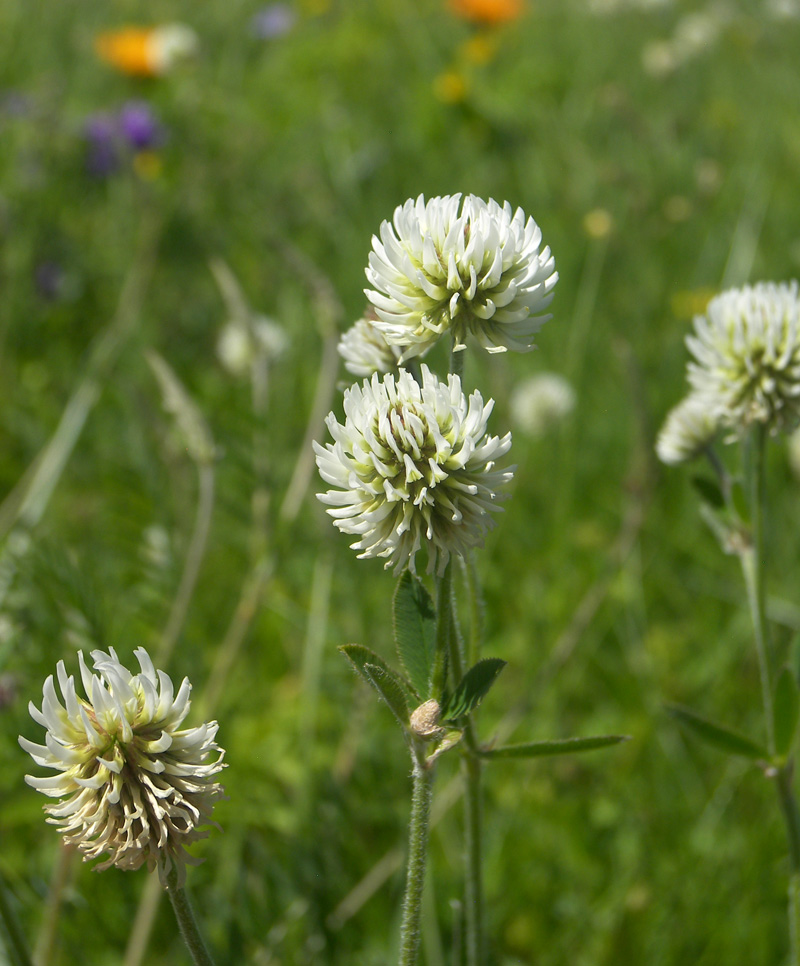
487,11
146,51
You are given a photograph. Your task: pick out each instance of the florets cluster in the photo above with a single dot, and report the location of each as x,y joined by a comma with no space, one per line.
689,429
134,786
470,267
747,356
364,349
412,467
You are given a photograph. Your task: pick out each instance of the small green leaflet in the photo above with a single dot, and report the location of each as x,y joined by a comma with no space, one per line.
414,620
474,685
390,688
709,491
557,746
393,688
718,735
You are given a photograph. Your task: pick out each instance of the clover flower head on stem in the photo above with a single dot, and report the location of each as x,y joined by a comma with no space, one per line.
134,785
688,430
364,349
412,467
746,352
467,267
541,402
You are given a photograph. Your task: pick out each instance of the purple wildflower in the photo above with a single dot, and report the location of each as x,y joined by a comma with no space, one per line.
273,20
139,126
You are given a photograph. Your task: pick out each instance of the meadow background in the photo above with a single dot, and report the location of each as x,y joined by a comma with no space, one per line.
655,182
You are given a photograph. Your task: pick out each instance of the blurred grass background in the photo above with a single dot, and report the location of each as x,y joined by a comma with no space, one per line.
605,593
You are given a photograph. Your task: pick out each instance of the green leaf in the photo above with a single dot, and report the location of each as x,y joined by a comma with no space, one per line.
414,617
558,746
709,491
393,688
474,685
390,687
785,711
718,735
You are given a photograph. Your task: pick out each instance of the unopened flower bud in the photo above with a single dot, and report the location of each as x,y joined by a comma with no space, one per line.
424,721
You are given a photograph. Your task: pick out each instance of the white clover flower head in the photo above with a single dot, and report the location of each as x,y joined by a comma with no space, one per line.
412,467
364,349
470,267
688,430
541,402
747,356
135,787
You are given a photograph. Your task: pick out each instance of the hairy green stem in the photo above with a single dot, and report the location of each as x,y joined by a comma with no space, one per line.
457,362
444,615
187,922
473,794
476,608
421,796
752,558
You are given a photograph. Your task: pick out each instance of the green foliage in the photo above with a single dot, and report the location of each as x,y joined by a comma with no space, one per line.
719,735
394,690
557,746
415,631
472,688
785,709
603,590
709,491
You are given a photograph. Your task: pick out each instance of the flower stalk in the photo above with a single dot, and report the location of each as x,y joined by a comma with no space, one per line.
752,561
418,830
473,858
187,923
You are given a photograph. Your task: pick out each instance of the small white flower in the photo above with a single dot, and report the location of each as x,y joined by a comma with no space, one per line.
540,402
170,44
365,349
467,268
747,352
413,467
240,343
690,427
135,787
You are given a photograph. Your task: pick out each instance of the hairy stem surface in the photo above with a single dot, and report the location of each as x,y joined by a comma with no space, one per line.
422,794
